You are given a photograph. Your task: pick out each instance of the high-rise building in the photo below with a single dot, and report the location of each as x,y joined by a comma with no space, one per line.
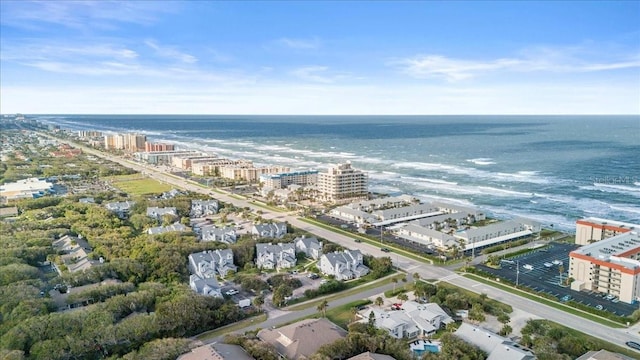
593,229
610,266
154,147
342,182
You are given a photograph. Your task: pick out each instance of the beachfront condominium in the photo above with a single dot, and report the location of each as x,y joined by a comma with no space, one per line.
591,229
342,182
156,147
282,180
609,266
127,142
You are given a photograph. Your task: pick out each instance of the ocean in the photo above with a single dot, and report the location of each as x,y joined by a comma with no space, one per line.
554,169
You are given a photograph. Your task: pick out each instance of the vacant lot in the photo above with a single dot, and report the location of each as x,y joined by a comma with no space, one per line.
138,185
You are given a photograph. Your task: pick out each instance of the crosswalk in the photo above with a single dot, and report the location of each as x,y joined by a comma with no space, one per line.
449,277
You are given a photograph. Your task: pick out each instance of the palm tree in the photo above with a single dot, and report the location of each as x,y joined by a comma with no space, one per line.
258,301
379,301
416,277
323,307
354,312
403,297
394,281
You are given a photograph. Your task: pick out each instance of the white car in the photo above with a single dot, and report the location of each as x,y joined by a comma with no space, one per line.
232,292
528,267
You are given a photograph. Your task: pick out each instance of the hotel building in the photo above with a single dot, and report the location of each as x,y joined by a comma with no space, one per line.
342,182
249,173
127,142
155,147
212,167
282,180
608,266
593,229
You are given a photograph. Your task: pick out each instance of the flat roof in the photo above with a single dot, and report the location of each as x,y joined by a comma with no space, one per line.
614,250
600,221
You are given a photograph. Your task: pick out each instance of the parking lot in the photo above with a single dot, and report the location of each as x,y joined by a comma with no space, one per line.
534,274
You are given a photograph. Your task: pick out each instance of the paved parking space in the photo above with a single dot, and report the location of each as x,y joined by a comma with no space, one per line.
533,273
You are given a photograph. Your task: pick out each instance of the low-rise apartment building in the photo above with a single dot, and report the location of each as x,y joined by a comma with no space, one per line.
162,157
207,264
269,230
250,173
278,256
412,320
594,229
610,266
157,213
200,208
226,234
212,167
345,265
310,246
281,180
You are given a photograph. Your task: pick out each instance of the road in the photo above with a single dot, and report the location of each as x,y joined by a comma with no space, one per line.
613,335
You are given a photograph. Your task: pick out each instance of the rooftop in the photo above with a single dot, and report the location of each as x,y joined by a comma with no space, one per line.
599,221
615,249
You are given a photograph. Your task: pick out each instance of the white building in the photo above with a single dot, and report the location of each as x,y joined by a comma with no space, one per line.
270,230
426,236
496,346
412,320
609,266
493,234
279,256
342,182
157,213
350,214
225,234
121,208
310,246
27,188
200,208
207,264
593,229
281,180
344,265
175,227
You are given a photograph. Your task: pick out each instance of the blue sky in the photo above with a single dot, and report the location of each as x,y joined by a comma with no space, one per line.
201,57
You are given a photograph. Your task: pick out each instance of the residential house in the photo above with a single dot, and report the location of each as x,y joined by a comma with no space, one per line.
170,194
74,253
310,246
225,234
371,356
157,213
216,351
200,208
121,208
344,265
87,200
205,286
496,346
302,339
271,230
175,227
280,256
205,264
412,320
603,355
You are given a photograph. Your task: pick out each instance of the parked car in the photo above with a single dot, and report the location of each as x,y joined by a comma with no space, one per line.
313,276
633,345
232,292
566,298
528,266
357,240
599,307
385,250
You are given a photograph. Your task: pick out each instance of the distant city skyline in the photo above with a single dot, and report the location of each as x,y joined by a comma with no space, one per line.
405,58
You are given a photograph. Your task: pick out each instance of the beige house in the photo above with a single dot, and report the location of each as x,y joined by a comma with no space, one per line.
302,339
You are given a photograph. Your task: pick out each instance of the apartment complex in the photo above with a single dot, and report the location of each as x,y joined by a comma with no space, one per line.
185,162
162,157
281,180
155,147
342,182
249,173
127,142
610,266
593,229
212,167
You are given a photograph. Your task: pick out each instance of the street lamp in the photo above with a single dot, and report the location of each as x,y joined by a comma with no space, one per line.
517,272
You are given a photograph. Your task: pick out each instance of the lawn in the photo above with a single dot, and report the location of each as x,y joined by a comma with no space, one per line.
231,328
137,184
343,315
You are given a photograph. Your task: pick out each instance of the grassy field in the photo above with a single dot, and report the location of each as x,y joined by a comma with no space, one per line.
342,315
341,294
137,184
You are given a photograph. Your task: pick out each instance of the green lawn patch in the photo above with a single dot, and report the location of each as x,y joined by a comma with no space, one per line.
548,302
343,315
341,294
137,184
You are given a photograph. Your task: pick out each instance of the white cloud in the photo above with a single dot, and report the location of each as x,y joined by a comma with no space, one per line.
99,14
540,60
300,44
318,74
171,53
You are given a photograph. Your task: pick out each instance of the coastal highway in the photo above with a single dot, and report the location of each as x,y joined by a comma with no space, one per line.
614,335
